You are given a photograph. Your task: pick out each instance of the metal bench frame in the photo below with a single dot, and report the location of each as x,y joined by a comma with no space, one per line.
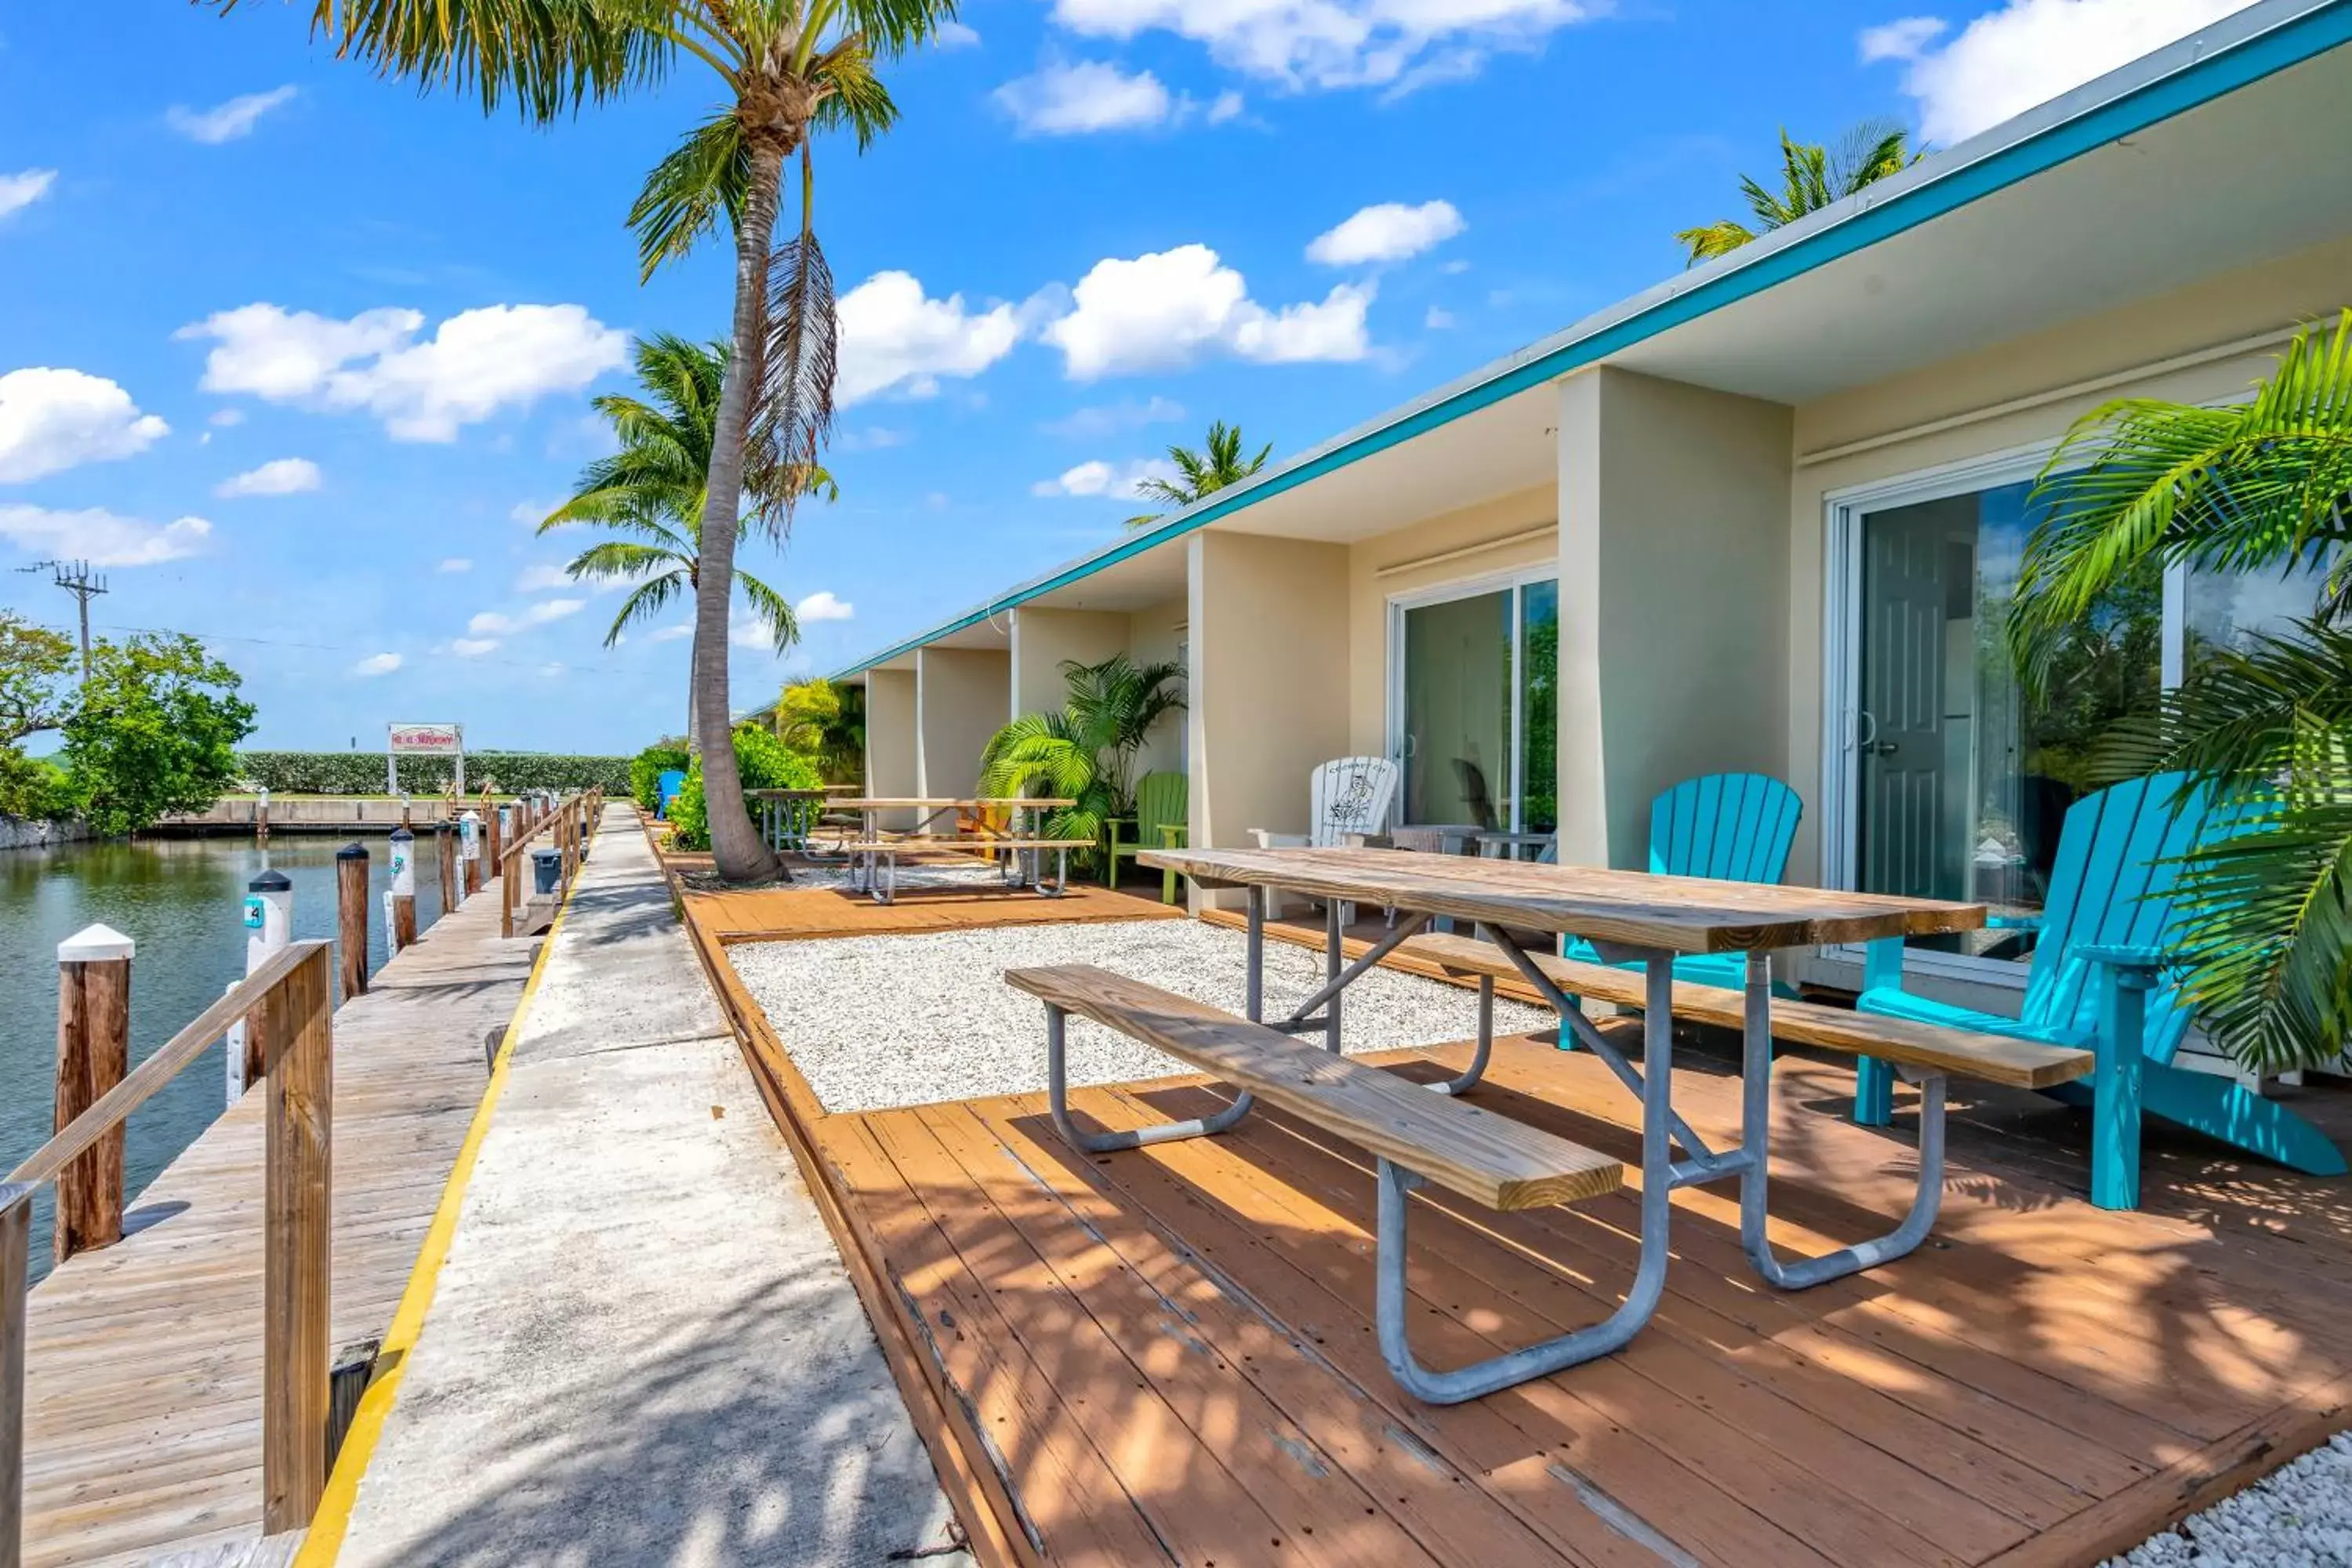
1662,1130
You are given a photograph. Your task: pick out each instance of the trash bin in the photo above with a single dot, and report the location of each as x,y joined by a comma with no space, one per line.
546,870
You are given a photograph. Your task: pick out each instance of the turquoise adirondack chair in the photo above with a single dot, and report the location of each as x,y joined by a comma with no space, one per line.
2098,983
1162,805
1735,827
666,788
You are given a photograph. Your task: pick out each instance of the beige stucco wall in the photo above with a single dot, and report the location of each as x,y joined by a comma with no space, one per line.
1156,634
1042,639
2132,350
1268,641
959,702
1494,537
1673,566
891,733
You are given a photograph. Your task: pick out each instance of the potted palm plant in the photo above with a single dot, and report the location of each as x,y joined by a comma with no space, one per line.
1087,752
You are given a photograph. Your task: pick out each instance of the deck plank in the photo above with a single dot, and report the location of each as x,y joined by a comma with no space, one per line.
143,1365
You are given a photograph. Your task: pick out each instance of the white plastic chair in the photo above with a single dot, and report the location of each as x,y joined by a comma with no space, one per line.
1349,799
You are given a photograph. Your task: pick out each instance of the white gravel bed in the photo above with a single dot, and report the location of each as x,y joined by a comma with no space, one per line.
2298,1515
879,1021
913,876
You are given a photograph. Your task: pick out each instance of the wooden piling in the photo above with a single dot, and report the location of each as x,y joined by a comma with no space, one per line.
16,1280
449,846
93,1054
351,916
297,1247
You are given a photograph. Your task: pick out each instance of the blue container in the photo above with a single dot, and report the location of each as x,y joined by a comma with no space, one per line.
546,870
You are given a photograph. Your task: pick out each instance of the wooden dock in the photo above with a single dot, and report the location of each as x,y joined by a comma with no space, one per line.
1167,1356
144,1359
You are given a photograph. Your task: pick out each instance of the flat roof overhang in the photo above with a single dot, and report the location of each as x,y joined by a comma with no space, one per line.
2171,169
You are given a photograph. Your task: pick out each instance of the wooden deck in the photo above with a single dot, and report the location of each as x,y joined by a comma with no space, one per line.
1167,1356
143,1363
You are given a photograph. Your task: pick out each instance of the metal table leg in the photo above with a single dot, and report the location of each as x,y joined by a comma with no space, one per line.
1335,954
1391,1312
1057,1101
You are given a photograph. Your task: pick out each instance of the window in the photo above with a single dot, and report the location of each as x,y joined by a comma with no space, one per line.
1475,704
1943,778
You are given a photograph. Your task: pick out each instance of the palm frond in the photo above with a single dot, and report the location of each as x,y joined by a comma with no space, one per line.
856,99
1711,240
685,195
794,408
776,611
618,558
547,56
645,602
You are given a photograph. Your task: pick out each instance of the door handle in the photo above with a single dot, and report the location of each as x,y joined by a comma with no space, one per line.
1881,749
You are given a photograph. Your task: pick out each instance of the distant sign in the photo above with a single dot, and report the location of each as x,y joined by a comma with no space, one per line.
428,739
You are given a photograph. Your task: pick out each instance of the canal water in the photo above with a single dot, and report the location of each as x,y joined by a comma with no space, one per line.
182,900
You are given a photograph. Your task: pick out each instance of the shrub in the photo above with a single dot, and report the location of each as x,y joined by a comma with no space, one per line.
647,768
32,789
361,773
765,763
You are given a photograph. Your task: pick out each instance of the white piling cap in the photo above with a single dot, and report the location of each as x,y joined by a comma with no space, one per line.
93,944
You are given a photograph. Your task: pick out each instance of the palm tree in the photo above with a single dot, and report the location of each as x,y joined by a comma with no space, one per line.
820,720
1811,177
652,489
786,68
1087,752
2267,948
1200,473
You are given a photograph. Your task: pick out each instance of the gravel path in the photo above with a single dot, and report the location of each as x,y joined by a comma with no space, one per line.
881,1021
2299,1516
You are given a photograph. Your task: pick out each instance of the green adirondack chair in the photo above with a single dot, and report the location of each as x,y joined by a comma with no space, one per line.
2098,983
1161,814
1735,827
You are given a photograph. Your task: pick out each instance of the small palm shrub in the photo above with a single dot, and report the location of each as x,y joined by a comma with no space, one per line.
1087,752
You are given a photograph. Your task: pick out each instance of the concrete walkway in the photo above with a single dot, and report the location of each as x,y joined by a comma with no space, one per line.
643,1348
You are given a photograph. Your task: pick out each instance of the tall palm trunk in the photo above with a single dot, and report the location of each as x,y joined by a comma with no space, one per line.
737,848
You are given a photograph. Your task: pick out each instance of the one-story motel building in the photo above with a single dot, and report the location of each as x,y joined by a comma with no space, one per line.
1763,517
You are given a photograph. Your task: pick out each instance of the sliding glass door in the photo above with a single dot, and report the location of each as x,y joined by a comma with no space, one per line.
1946,778
1474,705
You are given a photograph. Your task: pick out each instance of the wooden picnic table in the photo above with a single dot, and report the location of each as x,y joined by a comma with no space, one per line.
932,808
1629,918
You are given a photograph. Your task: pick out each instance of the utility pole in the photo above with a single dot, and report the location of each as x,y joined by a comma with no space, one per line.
75,578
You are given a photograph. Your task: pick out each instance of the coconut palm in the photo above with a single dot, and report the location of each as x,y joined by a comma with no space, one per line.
1811,177
2266,485
786,68
1087,752
1215,466
652,489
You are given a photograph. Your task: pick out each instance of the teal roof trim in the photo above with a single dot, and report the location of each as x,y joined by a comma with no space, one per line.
2290,43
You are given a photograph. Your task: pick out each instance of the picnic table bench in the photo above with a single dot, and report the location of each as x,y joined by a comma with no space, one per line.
1419,1137
881,854
870,852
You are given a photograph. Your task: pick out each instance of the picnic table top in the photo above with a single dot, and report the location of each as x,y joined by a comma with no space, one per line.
900,803
1681,914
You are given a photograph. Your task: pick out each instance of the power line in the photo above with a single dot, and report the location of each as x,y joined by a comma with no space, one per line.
74,577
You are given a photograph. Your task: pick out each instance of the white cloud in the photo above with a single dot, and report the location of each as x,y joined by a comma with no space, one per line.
821,606
1122,480
540,576
750,631
279,477
1165,308
873,438
225,416
1437,318
494,623
2026,53
473,647
377,664
1900,40
226,121
23,188
894,337
51,420
454,563
531,513
672,633
954,35
100,537
1112,419
474,364
1390,231
1062,98
1338,43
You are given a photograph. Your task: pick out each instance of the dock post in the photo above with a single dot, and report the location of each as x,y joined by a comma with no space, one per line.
261,816
469,849
447,846
16,1280
298,1056
351,915
268,926
401,900
93,1054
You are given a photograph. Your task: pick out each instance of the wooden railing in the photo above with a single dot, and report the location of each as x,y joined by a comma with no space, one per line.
288,1004
569,827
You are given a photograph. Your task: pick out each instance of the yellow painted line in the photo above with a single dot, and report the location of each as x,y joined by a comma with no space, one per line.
333,1518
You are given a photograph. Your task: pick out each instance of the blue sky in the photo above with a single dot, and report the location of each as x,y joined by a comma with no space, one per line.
297,351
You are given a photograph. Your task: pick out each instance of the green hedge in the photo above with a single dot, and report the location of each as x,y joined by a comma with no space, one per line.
361,773
761,762
647,768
